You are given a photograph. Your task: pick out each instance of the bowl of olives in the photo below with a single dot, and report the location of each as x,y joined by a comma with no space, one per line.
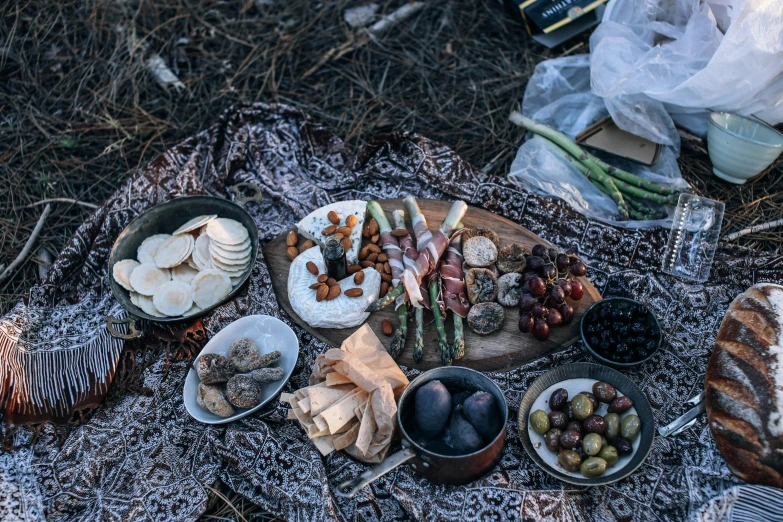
621,333
586,424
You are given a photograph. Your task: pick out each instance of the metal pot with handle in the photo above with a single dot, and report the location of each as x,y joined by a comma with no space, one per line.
438,468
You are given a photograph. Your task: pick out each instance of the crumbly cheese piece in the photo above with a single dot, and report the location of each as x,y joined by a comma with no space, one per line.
314,223
341,312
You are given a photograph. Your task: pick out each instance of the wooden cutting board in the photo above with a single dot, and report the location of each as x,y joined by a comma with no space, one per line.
502,350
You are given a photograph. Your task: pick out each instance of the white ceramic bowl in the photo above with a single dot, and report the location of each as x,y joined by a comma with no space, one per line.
741,148
270,334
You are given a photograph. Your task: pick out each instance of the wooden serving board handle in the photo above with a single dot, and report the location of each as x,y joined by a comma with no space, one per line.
502,350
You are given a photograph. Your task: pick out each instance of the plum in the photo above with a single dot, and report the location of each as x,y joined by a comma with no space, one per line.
480,409
458,399
462,436
433,406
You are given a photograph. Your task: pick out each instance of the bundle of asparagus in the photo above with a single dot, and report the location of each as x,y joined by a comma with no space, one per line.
635,197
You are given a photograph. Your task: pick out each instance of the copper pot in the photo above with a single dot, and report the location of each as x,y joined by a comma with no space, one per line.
438,468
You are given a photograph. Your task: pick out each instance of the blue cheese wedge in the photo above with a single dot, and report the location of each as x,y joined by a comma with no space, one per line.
341,312
313,225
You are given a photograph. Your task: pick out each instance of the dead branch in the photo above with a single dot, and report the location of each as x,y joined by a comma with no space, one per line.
62,200
754,229
27,246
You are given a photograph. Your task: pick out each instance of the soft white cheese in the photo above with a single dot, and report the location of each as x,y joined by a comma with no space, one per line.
314,223
341,312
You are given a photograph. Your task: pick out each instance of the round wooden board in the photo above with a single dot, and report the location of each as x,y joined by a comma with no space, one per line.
502,350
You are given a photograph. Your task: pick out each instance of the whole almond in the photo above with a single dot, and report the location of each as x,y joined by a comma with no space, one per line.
384,289
321,293
352,269
387,267
346,243
312,268
351,220
367,264
358,278
328,231
399,232
386,327
373,227
316,286
333,217
331,281
374,248
334,291
379,267
363,253
306,245
291,252
366,231
382,258
386,277
354,292
372,257
346,231
375,238
322,278
291,239
339,236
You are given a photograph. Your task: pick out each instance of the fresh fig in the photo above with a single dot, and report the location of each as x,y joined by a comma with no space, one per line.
463,436
433,406
481,410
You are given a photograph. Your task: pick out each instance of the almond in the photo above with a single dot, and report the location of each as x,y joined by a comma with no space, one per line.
331,281
364,252
333,217
382,258
291,252
367,264
373,227
384,289
399,232
374,248
334,291
386,327
372,257
322,278
387,267
312,268
321,293
328,231
352,269
366,231
375,238
316,286
346,243
292,238
345,231
306,245
339,236
386,277
379,267
351,220
358,278
354,292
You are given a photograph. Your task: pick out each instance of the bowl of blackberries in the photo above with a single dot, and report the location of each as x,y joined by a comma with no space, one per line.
620,332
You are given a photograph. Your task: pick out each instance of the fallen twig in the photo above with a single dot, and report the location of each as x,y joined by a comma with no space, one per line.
754,229
62,200
27,247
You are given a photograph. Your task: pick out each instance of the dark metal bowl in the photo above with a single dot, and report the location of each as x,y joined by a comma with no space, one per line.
619,302
164,219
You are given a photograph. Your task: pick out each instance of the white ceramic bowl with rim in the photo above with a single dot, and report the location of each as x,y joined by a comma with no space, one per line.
269,334
741,148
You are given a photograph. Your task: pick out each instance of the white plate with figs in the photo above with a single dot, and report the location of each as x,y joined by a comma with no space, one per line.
247,363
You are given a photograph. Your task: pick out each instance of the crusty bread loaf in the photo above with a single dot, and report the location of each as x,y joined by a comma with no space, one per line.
744,386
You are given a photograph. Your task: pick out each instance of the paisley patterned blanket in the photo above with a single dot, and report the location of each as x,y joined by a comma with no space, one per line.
141,456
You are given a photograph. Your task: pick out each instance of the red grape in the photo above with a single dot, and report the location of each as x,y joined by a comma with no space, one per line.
534,263
538,310
541,330
557,294
539,250
526,322
566,312
565,284
554,317
549,272
577,290
562,262
552,253
526,302
537,286
578,268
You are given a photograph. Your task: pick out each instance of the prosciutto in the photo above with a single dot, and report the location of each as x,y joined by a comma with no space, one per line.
426,262
453,288
392,249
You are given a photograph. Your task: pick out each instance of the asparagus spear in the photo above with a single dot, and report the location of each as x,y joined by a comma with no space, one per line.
443,344
397,344
418,345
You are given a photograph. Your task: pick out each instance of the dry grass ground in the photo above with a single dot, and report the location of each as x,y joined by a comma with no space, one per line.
79,112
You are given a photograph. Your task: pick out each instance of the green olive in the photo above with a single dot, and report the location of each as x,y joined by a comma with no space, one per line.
609,454
630,427
569,459
612,425
539,421
593,467
604,442
591,444
582,407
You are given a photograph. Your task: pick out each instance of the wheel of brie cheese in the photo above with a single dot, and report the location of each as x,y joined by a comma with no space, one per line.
313,224
342,311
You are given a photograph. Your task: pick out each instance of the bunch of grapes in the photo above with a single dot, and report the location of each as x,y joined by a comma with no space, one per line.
548,281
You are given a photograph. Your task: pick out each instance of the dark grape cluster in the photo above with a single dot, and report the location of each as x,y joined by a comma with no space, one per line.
548,282
622,334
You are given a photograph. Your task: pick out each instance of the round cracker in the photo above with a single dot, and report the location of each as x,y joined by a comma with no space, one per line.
173,298
236,280
146,304
193,224
193,310
146,278
216,251
229,261
184,273
209,287
122,270
174,251
134,297
149,247
227,231
201,251
192,263
231,270
244,245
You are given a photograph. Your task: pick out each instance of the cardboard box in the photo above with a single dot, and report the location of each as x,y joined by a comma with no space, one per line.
608,137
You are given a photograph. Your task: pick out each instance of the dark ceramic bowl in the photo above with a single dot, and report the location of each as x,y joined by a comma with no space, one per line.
596,372
622,303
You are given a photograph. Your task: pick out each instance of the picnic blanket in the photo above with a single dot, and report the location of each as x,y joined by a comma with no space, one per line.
141,456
